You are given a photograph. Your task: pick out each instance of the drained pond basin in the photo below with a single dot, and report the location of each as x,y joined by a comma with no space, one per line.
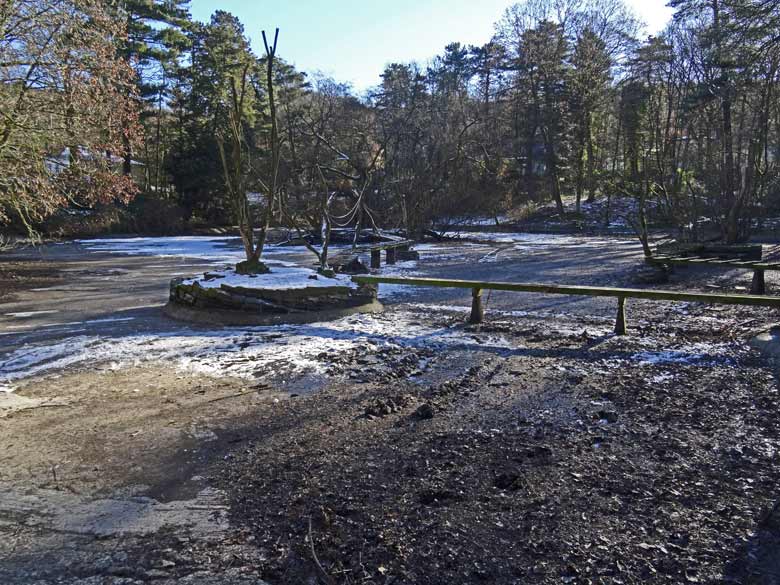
398,443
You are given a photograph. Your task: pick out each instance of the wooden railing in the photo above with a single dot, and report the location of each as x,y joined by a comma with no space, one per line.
758,286
621,294
375,250
390,249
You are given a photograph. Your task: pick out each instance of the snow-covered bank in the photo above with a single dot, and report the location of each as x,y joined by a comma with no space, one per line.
281,277
277,352
287,353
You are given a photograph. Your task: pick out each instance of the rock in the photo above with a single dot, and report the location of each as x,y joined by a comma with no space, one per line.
380,408
607,415
327,272
354,266
539,454
253,266
434,496
383,407
507,481
651,274
424,412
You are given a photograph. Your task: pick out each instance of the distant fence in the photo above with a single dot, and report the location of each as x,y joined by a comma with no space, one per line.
621,294
758,285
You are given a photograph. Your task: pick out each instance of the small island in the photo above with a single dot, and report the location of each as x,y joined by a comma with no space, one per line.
285,294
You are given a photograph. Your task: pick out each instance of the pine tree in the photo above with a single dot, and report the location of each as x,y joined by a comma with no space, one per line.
155,39
589,86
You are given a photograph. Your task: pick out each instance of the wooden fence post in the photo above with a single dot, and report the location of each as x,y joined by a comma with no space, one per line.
620,322
391,255
477,311
376,258
758,286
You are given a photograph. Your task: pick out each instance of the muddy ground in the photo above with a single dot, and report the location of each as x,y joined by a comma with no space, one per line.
537,448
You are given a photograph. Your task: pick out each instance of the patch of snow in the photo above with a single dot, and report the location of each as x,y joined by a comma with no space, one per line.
648,358
556,315
662,378
695,354
273,352
449,308
285,277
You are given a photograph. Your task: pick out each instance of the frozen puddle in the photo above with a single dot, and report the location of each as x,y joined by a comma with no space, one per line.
216,249
521,240
60,511
276,353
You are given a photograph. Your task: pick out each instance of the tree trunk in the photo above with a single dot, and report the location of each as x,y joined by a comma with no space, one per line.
579,186
591,181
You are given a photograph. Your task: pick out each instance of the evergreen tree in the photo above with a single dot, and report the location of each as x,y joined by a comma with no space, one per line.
156,37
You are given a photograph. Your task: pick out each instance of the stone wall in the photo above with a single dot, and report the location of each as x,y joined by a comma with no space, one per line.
266,301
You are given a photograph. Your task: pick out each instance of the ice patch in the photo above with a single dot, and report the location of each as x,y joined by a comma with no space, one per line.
649,358
446,308
214,249
26,314
107,320
490,257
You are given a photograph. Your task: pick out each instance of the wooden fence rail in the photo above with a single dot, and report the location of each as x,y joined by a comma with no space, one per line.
390,249
757,287
621,294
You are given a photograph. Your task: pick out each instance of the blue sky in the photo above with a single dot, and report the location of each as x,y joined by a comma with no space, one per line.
352,40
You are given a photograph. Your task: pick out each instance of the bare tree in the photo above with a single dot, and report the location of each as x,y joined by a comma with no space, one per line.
236,163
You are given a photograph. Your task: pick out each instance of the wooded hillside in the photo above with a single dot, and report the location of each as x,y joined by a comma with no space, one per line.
567,99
